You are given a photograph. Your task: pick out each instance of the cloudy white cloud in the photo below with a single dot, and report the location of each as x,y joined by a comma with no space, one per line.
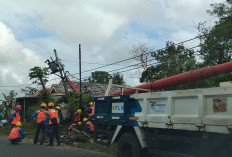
31,29
15,60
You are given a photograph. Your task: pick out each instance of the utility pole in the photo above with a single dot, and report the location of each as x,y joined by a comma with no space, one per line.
60,67
81,107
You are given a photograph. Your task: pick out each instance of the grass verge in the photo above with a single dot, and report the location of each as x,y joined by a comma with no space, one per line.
96,147
29,128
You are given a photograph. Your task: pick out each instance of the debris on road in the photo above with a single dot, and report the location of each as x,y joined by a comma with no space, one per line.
74,136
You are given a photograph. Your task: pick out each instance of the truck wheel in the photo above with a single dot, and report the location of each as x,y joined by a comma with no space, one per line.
129,146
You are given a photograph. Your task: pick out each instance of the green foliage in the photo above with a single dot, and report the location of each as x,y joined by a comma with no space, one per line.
118,79
29,91
63,99
40,75
75,99
103,78
171,61
30,110
45,97
217,41
8,101
216,48
99,77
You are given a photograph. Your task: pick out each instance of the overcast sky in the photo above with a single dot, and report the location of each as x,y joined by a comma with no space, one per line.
106,29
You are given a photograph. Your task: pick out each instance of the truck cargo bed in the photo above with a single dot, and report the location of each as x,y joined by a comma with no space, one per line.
208,110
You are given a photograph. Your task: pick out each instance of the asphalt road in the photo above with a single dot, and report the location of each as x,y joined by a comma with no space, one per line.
25,149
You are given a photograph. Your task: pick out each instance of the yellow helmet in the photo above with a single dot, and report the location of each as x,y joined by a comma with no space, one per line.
43,105
51,104
91,103
79,111
58,107
79,123
18,124
85,119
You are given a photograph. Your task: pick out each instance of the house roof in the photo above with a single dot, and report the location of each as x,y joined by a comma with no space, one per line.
91,88
38,93
88,88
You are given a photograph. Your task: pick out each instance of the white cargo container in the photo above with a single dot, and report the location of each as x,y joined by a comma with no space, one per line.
208,109
194,122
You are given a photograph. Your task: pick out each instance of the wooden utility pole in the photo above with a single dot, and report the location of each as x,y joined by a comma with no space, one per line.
61,73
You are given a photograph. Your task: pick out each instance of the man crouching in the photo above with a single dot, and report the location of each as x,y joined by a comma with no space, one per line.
16,135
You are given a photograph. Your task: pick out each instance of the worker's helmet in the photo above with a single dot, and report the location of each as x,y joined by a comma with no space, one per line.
79,123
85,119
18,107
57,107
19,124
91,103
51,104
43,105
79,111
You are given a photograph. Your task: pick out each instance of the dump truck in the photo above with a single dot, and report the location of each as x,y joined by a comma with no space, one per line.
192,122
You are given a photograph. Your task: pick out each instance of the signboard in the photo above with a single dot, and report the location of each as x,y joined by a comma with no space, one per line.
158,107
118,107
219,105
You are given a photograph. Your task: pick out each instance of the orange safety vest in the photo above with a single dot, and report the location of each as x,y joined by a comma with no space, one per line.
72,126
91,111
41,115
53,114
16,118
90,125
14,133
77,117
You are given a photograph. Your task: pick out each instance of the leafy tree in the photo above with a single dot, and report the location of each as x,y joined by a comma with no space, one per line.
118,79
217,40
40,76
170,61
7,103
99,77
29,91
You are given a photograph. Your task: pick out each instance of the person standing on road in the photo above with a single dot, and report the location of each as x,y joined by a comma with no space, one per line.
16,135
40,116
59,113
15,117
53,124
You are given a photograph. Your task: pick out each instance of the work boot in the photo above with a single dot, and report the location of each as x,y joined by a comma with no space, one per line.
41,143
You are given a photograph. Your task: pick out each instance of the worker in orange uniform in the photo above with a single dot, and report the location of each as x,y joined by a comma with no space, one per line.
91,109
16,135
15,117
59,113
88,126
53,122
40,116
77,116
75,125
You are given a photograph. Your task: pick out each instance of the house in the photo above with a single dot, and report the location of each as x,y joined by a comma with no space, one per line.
91,88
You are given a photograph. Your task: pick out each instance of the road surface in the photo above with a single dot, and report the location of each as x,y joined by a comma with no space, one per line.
25,149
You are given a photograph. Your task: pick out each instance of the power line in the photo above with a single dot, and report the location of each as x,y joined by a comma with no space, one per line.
139,55
89,63
137,64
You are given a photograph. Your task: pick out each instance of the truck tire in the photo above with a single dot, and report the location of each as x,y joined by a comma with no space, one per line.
129,146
